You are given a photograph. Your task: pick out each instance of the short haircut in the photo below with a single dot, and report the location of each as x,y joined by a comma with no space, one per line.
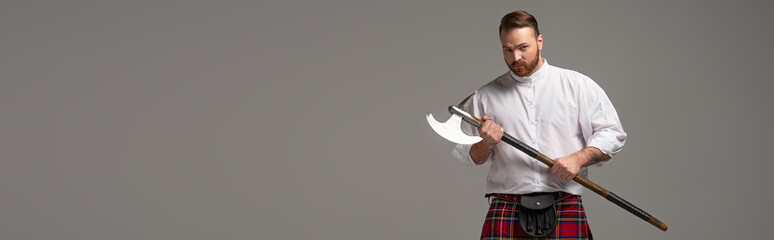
518,19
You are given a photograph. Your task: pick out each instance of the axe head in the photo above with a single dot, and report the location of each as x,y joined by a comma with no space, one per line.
451,130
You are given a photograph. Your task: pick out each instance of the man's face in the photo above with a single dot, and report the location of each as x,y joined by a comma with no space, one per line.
521,50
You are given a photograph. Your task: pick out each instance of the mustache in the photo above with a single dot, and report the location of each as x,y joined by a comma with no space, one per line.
519,63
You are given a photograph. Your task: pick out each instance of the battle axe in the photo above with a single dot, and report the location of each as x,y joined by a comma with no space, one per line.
451,131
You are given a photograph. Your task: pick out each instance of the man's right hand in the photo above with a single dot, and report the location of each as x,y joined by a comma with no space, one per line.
490,132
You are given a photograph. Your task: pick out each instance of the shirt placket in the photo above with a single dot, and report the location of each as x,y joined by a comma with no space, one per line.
532,120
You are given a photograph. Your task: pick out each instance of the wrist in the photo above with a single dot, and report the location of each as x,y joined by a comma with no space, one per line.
582,157
484,145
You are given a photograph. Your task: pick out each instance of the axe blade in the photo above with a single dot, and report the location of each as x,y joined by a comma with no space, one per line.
450,130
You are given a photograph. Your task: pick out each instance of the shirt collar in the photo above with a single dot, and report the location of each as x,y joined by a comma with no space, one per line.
542,71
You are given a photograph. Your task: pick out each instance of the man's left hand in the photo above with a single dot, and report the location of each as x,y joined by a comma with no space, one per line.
566,168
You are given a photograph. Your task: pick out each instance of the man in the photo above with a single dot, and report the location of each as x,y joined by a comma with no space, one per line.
559,112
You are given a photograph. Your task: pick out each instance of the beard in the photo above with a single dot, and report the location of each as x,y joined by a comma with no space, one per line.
524,67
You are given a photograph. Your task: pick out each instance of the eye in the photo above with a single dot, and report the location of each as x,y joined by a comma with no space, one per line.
523,47
507,50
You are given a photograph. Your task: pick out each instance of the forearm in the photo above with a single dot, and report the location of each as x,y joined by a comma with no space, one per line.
567,168
592,155
479,152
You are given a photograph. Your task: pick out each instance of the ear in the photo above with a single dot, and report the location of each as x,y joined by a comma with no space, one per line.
540,42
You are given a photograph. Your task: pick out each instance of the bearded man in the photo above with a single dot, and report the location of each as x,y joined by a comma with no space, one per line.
559,112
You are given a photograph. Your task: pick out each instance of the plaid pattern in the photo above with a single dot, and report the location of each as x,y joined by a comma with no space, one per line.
502,219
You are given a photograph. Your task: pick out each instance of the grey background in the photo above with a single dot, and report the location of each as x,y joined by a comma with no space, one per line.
305,120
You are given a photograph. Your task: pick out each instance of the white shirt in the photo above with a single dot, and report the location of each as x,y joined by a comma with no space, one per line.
554,110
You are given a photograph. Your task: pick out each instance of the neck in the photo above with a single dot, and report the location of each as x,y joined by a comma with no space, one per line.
539,65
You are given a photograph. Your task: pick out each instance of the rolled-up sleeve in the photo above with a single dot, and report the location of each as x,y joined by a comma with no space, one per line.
462,152
599,121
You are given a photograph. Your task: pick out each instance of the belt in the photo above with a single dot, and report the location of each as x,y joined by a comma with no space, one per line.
515,197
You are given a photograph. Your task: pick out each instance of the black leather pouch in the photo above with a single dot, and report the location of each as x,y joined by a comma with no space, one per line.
537,214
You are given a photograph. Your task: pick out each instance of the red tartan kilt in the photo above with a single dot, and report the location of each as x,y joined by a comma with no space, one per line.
502,219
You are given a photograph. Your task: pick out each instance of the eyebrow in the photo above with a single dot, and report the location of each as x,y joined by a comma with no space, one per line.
518,45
